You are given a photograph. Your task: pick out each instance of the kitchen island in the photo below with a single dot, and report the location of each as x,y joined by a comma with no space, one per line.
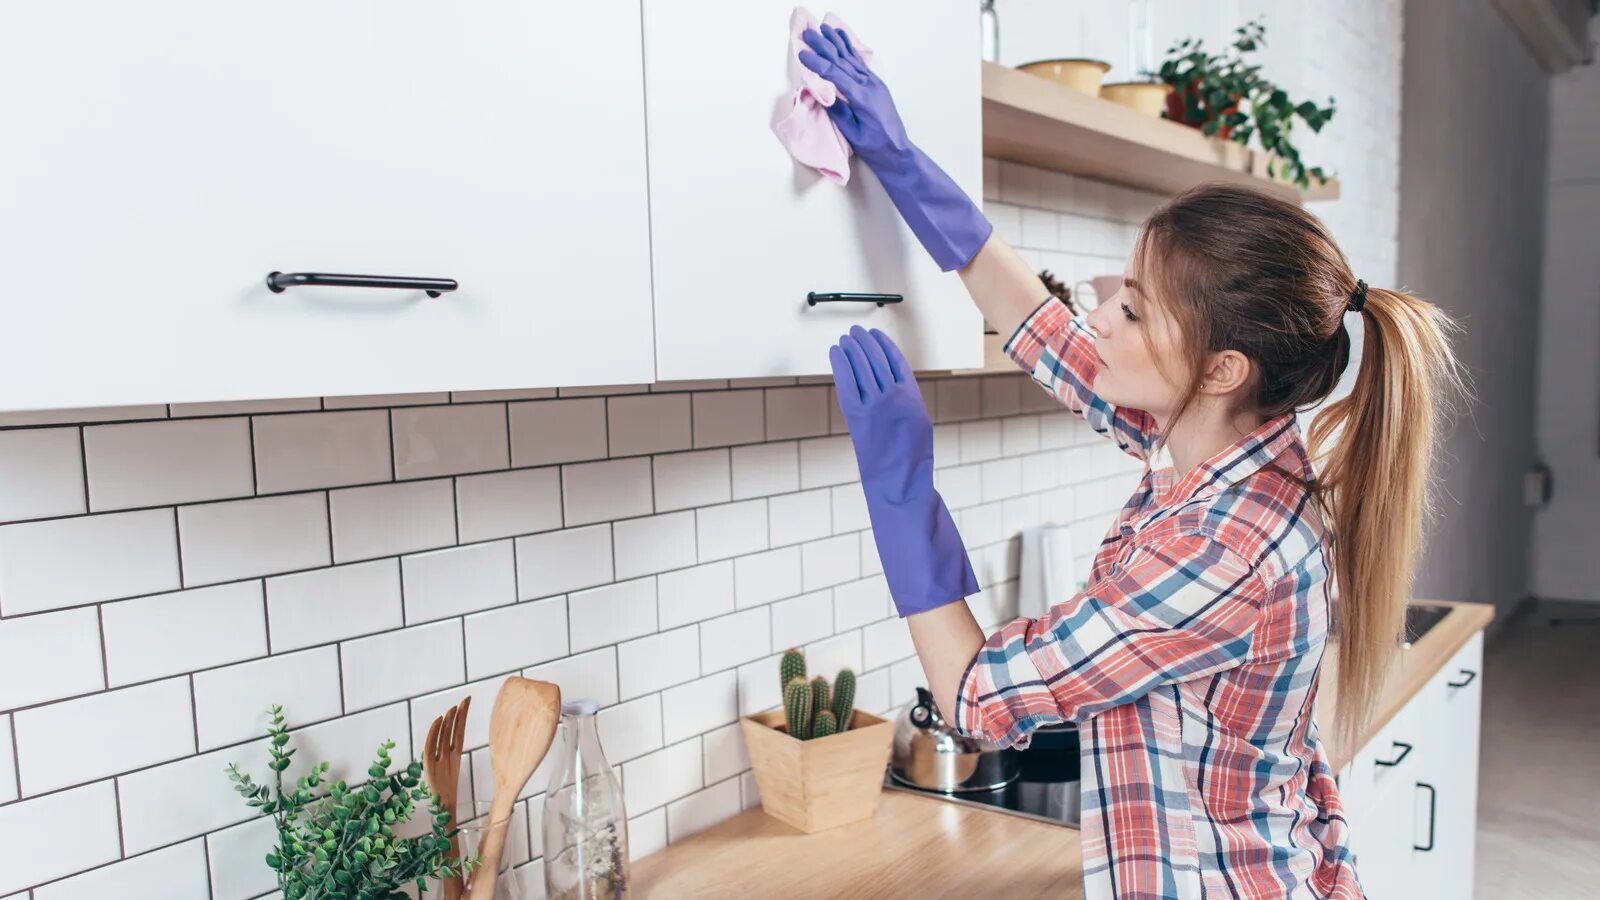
921,845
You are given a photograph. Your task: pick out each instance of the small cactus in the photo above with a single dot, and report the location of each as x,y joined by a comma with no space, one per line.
797,708
826,723
844,698
807,705
793,666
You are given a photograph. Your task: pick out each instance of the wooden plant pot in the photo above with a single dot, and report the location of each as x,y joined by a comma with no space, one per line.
824,782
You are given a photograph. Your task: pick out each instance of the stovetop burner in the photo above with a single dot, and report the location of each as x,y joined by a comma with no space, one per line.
1042,798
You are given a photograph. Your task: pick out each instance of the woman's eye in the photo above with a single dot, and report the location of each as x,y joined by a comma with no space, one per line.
1128,313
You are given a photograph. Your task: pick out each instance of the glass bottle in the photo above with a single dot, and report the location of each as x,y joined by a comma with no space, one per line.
585,824
989,27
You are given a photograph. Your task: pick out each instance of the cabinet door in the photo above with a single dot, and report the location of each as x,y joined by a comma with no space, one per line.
163,157
1384,828
1451,783
741,232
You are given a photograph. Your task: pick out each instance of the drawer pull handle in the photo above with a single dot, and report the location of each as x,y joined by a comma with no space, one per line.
1433,807
1465,681
277,282
813,298
1405,750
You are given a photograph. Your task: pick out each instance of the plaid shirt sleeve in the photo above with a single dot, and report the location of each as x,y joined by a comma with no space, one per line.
1179,608
1058,351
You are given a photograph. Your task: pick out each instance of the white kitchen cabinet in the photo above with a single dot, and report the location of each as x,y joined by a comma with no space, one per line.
162,157
1411,793
741,233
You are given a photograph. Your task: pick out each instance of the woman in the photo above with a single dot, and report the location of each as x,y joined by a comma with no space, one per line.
1190,662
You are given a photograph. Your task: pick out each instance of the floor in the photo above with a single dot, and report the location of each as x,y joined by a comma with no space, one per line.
1539,789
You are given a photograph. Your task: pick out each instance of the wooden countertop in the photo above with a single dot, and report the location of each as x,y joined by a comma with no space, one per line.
921,845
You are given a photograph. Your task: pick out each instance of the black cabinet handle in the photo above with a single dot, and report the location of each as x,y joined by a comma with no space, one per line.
277,282
1405,750
813,298
1433,807
1465,681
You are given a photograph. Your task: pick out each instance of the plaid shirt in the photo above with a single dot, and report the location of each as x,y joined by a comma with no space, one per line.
1190,664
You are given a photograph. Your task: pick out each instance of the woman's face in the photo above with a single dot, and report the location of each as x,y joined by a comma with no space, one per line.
1129,376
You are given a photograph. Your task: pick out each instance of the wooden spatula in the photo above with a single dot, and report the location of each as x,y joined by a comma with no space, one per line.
441,765
521,728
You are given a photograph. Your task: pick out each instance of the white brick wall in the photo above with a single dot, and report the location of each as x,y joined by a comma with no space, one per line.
166,572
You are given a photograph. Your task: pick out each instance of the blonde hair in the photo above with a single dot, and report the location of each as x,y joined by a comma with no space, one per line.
1239,269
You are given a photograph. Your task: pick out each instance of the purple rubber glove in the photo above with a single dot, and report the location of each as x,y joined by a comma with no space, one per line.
923,557
950,226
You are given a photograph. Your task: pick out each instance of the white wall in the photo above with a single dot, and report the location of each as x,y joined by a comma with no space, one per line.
166,571
1566,563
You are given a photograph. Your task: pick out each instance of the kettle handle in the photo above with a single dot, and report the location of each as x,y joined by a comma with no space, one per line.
926,713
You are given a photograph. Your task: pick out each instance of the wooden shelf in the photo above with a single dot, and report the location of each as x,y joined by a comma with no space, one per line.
1032,120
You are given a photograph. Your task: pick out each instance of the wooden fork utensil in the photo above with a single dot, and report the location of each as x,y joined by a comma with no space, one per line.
441,765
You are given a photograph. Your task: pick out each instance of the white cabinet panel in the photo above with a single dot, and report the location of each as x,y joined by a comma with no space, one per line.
741,233
1457,698
162,157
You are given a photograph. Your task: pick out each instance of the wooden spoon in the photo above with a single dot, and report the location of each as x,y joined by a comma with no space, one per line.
523,724
441,765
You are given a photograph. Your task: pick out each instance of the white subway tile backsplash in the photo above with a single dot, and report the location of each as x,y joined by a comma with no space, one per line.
658,661
211,408
827,461
696,593
830,561
725,754
960,486
1019,435
250,538
886,642
727,641
8,763
946,445
663,776
859,602
1039,229
49,656
458,580
504,504
763,577
333,604
629,730
169,634
559,561
801,517
699,706
616,612
592,674
365,401
760,470
156,463
685,480
1007,221
546,432
34,417
401,664
56,835
504,640
1002,478
42,564
321,450
601,491
849,509
77,741
177,871
653,543
41,474
731,529
449,440
959,399
806,618
702,809
980,441
648,423
236,857
870,563
828,656
389,519
647,833
796,412
230,704
500,396
729,417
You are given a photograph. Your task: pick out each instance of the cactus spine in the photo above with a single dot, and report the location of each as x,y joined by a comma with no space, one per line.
844,698
826,723
797,708
819,700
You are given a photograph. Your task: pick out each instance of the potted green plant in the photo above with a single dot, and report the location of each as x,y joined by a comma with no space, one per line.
819,761
1226,95
341,844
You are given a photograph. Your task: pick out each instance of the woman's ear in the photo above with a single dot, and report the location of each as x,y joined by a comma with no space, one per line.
1226,372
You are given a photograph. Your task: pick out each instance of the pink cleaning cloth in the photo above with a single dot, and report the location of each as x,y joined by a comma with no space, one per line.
805,129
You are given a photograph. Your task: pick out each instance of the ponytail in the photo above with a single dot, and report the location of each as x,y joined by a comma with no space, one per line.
1375,487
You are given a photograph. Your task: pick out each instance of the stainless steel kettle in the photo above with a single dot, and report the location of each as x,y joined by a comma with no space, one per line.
928,753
